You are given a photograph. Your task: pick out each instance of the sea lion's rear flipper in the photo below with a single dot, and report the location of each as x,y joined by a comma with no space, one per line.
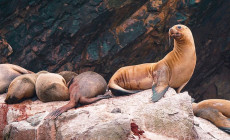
225,129
53,115
121,92
157,95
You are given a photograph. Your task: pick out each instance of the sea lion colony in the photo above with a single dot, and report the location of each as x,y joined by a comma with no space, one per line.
174,70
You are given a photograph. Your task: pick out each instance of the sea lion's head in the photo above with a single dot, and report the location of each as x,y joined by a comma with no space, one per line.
180,32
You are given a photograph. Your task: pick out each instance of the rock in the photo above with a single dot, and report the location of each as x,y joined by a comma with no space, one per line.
128,117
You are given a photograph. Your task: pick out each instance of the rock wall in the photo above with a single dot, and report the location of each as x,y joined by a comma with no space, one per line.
104,35
130,117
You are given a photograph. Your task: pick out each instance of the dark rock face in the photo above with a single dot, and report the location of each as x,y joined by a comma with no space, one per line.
104,35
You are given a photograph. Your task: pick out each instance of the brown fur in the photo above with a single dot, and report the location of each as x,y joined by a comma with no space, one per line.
67,75
215,110
20,88
51,87
7,74
83,90
174,70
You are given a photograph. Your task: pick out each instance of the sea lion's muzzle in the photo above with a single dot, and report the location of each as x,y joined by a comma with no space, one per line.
174,33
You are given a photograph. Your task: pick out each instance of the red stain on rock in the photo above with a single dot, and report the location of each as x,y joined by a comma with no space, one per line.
135,129
3,118
22,111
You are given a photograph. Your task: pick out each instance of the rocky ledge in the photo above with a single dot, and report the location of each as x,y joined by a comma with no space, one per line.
127,117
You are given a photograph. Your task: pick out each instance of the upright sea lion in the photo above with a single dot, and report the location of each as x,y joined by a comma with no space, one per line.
51,87
215,110
20,88
83,89
7,73
174,70
68,75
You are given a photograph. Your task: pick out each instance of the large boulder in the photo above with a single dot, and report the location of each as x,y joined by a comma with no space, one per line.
127,117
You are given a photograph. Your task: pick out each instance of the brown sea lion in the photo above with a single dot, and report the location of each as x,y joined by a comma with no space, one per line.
174,70
83,89
22,87
215,110
67,75
51,87
7,74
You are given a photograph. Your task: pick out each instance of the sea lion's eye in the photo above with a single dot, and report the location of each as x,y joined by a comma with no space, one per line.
179,27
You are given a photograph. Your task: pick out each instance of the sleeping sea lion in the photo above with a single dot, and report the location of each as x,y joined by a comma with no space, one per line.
215,110
22,87
86,88
67,75
174,70
7,74
51,87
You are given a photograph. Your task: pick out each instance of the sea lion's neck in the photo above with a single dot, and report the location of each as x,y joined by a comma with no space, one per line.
183,53
184,46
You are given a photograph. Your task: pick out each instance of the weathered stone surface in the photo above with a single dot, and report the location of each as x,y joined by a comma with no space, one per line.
104,35
137,117
207,131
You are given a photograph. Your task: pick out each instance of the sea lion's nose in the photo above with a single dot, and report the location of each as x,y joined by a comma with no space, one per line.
172,31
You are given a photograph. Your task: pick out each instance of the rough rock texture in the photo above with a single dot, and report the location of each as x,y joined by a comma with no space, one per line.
97,35
207,131
130,117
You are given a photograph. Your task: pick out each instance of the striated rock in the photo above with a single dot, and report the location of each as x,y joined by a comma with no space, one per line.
104,35
128,117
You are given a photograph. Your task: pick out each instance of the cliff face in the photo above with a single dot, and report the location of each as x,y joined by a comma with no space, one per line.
104,35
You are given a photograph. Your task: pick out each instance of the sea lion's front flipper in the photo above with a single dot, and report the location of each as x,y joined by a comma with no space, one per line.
225,129
158,94
160,82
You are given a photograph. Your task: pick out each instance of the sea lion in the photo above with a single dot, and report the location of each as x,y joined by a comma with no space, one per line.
7,73
215,110
86,88
67,75
51,87
174,70
22,87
